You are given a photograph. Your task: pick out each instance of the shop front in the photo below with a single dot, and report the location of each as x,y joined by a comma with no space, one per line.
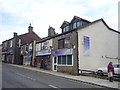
44,59
27,58
62,60
8,56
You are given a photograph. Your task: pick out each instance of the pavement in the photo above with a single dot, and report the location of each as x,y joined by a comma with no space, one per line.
84,79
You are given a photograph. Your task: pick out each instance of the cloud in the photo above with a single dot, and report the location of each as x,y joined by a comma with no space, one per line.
17,14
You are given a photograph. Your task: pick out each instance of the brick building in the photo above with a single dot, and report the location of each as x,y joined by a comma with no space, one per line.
11,48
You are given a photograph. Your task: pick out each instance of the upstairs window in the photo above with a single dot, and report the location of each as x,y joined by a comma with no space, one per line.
64,43
74,25
65,29
19,42
78,23
61,43
11,43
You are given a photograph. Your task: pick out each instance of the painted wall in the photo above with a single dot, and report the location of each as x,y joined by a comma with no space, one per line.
103,42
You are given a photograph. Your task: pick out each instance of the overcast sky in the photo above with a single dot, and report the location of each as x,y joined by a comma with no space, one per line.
16,15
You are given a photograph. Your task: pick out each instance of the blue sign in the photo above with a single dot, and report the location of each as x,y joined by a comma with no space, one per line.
62,52
43,52
86,45
51,47
67,38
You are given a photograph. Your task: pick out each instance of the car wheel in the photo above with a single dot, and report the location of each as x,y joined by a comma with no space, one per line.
100,73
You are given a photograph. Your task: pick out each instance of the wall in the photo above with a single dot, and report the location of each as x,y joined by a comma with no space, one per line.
103,42
73,44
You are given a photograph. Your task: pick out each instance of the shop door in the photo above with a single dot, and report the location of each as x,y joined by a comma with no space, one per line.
54,63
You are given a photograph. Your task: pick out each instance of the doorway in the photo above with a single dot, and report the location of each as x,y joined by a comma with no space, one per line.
54,63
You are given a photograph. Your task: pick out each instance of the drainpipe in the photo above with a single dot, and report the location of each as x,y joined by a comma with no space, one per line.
33,54
77,54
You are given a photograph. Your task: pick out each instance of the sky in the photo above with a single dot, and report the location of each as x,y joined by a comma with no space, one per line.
16,15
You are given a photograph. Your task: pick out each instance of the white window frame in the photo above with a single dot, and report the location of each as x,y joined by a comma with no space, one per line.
11,43
19,42
66,61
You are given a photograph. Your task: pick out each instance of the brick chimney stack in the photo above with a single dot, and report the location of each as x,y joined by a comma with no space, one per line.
51,31
30,28
15,34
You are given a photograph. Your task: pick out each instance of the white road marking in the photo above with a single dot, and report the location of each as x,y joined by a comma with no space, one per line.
25,76
52,86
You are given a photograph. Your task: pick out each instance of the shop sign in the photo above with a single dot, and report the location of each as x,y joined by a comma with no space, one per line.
62,52
8,52
27,53
43,52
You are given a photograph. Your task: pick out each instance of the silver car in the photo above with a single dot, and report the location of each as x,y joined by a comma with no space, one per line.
104,70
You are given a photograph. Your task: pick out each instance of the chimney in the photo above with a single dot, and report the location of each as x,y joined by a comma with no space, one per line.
51,31
15,34
30,28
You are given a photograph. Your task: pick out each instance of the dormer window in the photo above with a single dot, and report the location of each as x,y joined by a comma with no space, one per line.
74,25
78,23
65,29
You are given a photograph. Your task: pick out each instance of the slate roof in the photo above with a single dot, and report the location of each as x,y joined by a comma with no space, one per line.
29,37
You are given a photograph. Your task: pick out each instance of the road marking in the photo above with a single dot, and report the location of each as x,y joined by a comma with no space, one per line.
52,86
25,76
55,87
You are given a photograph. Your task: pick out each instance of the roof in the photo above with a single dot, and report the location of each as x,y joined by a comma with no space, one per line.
75,19
78,18
29,37
104,24
64,23
46,38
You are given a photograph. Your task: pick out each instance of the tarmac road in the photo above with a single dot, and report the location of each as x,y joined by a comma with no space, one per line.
14,77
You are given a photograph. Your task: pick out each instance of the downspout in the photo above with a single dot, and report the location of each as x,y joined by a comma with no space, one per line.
33,54
77,54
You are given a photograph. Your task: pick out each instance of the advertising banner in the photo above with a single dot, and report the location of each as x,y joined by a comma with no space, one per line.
62,52
86,45
43,52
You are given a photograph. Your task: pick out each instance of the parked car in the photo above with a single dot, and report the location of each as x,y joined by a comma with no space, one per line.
103,70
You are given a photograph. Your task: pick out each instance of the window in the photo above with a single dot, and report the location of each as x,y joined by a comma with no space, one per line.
78,23
69,59
65,60
61,43
65,29
74,25
19,43
10,43
5,44
59,59
66,43
26,47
